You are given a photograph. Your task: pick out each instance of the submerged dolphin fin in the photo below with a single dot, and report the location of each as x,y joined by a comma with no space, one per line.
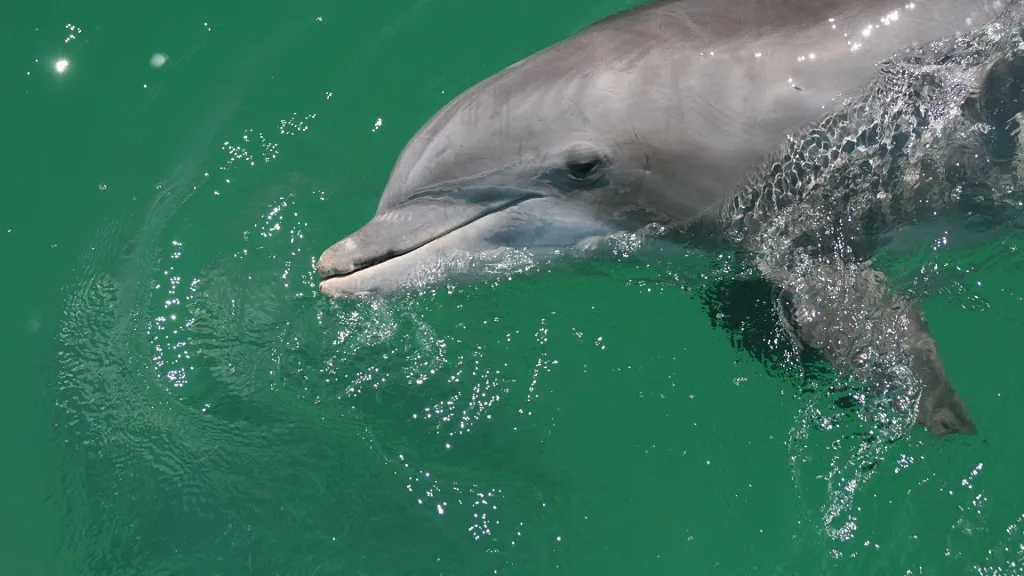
873,334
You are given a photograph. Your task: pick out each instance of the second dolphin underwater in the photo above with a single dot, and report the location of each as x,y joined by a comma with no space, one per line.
665,114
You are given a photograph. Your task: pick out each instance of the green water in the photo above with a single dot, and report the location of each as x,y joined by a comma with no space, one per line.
179,400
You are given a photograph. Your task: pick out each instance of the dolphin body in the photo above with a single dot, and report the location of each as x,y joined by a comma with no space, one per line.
658,114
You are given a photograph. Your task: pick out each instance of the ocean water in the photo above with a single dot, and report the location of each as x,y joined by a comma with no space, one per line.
180,400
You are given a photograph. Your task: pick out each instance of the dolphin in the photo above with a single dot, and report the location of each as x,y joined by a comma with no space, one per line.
657,114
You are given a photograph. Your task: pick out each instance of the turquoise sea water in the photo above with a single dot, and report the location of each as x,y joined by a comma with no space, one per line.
180,400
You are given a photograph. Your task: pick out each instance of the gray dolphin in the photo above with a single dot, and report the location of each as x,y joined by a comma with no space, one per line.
657,114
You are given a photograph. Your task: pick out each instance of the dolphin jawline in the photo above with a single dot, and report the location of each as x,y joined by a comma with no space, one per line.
392,240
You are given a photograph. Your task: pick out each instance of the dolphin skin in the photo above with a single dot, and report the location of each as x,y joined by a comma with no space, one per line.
657,115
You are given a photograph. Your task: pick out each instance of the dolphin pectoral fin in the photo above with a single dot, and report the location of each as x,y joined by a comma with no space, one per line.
873,334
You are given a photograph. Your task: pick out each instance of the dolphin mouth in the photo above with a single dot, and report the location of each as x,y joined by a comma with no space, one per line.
419,221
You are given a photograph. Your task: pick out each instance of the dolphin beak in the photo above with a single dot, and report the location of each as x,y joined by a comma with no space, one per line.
417,221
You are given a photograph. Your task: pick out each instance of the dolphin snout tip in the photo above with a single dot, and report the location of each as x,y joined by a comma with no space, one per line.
334,262
337,271
324,266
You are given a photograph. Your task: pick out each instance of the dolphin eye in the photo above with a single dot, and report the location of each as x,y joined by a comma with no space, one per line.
583,169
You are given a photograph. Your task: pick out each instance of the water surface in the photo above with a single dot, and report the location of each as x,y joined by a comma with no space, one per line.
180,400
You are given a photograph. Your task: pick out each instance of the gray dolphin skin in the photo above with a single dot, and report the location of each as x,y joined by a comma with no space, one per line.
658,114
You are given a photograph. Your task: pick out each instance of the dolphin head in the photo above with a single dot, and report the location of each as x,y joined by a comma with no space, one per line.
651,116
539,157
